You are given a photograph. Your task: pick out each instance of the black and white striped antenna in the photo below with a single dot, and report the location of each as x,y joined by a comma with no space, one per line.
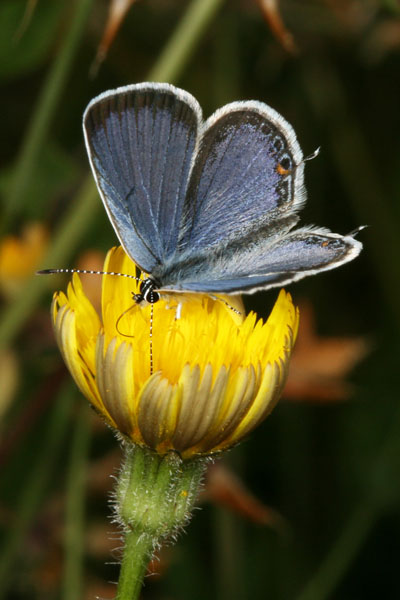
86,272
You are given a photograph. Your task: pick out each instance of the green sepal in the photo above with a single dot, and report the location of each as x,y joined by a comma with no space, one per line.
155,493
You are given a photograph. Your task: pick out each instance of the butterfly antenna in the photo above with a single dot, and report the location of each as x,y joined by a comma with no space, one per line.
85,272
312,155
357,230
151,338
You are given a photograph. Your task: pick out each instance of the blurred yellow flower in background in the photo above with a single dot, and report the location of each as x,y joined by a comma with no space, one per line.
216,376
20,256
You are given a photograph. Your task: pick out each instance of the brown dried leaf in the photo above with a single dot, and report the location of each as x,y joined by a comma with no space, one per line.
116,14
354,16
103,540
271,14
225,488
100,479
319,365
381,41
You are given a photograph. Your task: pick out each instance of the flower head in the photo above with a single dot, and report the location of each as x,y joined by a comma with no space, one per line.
215,375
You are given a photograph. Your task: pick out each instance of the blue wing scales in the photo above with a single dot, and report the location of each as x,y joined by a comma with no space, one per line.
205,207
264,264
141,140
248,173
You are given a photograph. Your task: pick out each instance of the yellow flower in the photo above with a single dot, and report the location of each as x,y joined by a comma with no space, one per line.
20,256
216,375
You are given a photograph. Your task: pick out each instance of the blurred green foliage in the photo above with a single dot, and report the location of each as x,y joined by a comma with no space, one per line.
331,469
24,47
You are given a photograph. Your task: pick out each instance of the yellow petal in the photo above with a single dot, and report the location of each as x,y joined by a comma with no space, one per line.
216,373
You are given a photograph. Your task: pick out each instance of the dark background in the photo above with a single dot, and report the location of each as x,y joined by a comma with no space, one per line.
328,458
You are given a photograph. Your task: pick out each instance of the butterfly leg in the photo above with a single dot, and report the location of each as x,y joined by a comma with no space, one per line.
178,310
232,308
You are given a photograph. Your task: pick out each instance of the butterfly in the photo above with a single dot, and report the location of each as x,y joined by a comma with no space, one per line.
205,206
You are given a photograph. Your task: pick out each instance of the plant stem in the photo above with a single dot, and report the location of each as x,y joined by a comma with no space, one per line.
36,483
138,551
229,555
360,523
328,97
184,39
345,549
74,519
169,66
68,234
44,113
154,499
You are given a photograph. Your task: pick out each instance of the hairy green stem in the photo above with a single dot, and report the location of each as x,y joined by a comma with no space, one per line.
154,499
138,551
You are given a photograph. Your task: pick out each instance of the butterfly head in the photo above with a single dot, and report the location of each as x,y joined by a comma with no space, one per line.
147,292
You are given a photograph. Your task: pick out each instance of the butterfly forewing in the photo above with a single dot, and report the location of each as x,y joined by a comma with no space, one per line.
141,141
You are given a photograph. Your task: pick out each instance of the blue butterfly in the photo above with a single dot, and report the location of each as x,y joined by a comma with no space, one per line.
205,206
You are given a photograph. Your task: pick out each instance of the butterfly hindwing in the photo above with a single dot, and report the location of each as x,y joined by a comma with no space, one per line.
266,263
248,173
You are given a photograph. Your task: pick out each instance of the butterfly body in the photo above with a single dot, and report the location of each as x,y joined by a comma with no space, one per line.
147,292
205,206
